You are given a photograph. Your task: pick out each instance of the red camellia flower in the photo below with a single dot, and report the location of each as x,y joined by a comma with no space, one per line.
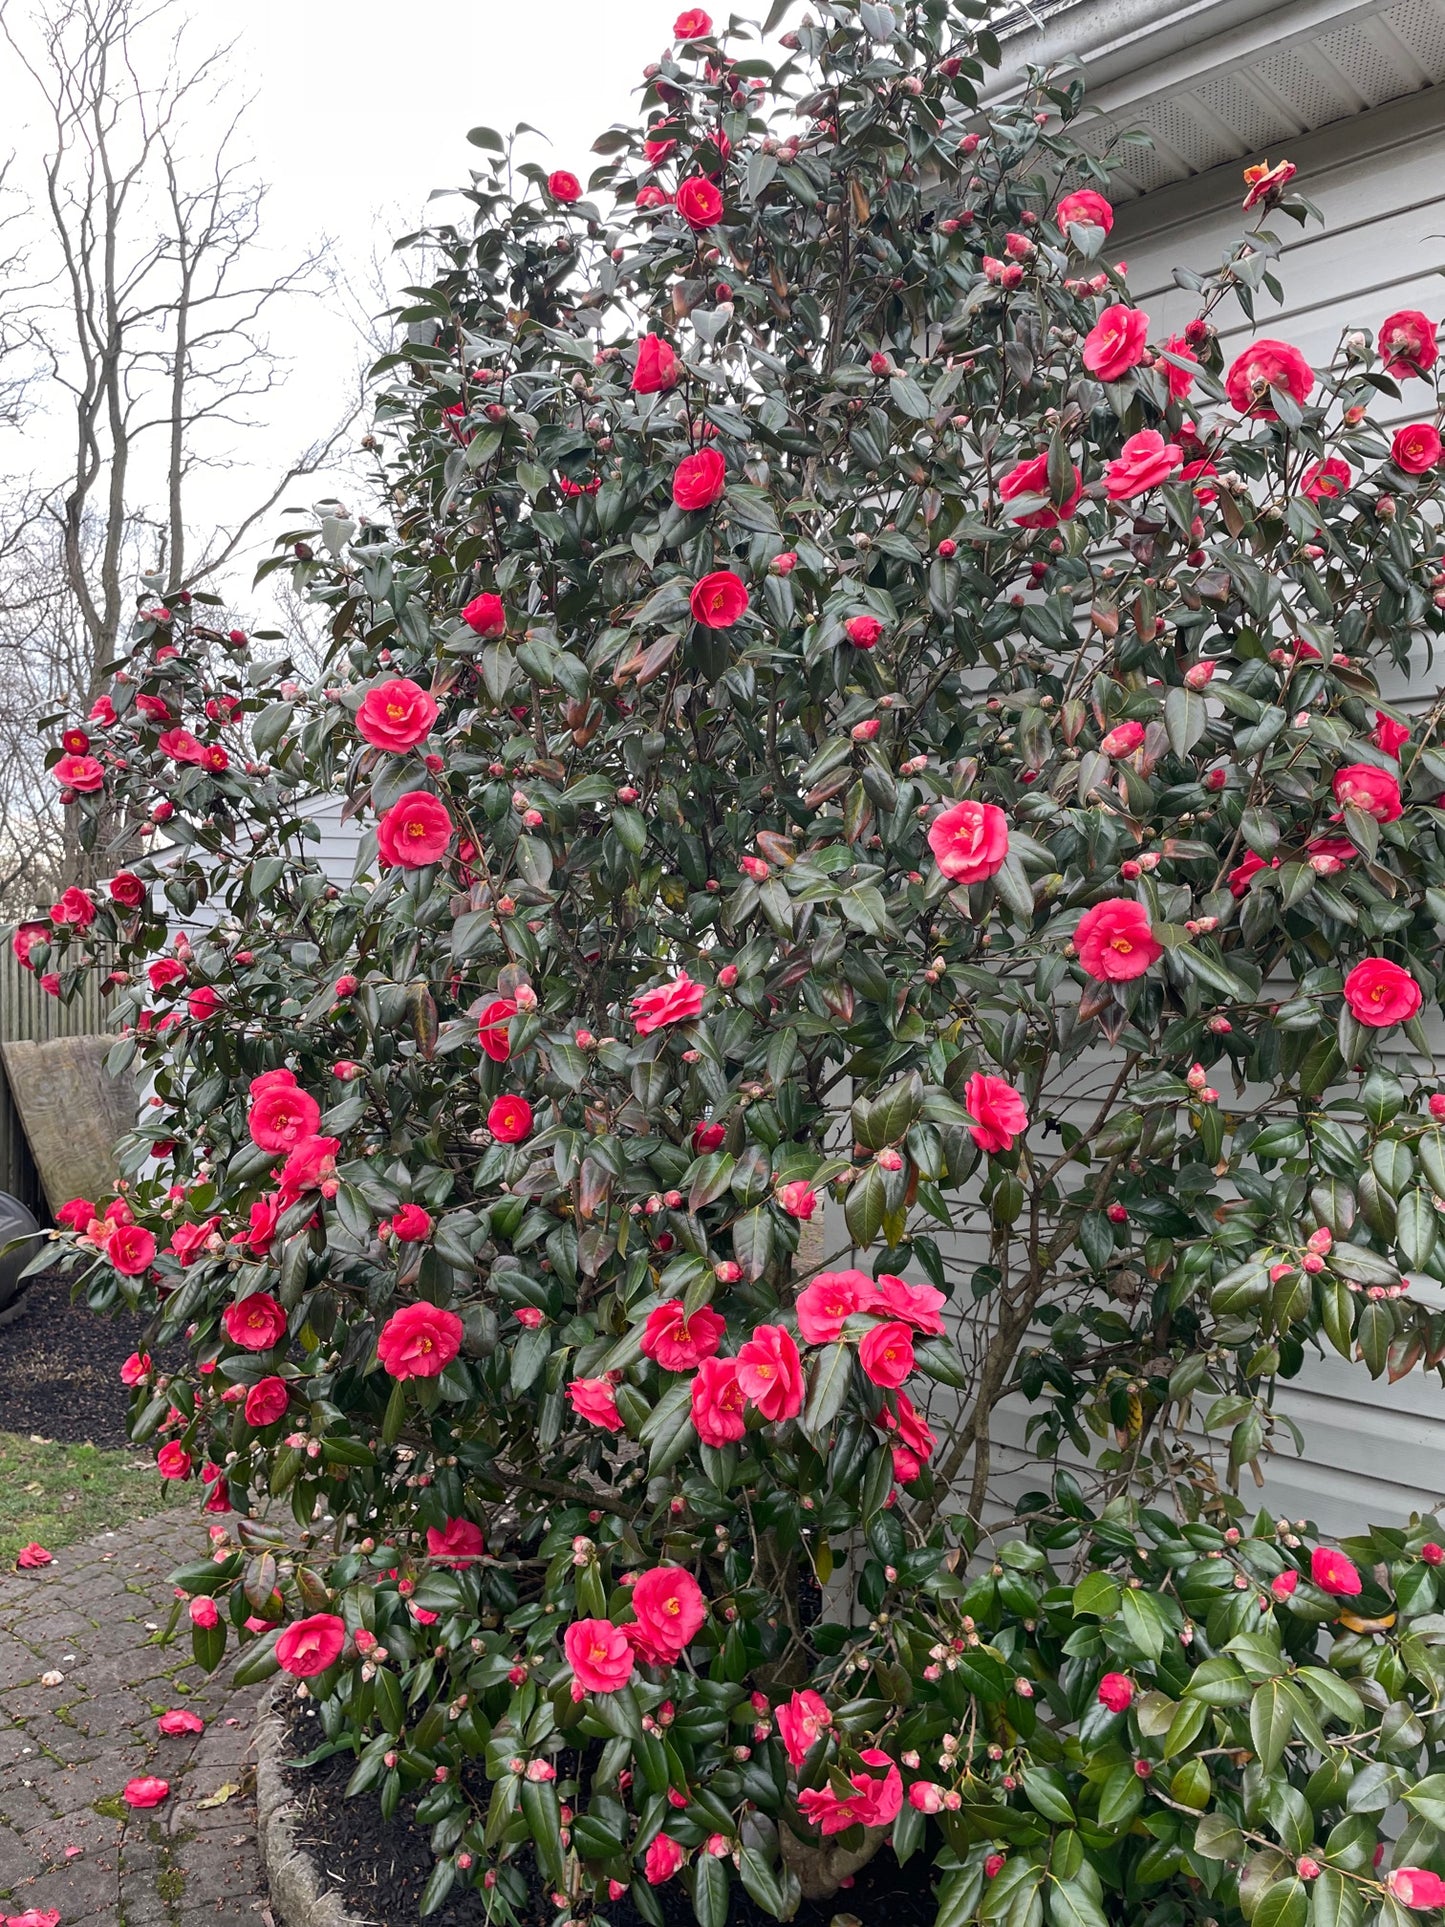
917,1305
719,600
1415,448
1084,208
699,480
74,907
414,832
595,1399
564,187
771,1373
1263,367
827,1302
1239,877
1180,380
863,631
678,1343
676,1002
310,1165
1116,1691
256,1324
180,745
485,616
1326,481
266,1402
1032,478
802,1721
600,1655
309,1646
698,202
411,1225
126,888
999,1112
146,1791
180,1720
798,1198
1375,791
82,773
969,841
419,1341
1333,1572
669,1606
25,939
510,1119
1407,343
1123,739
707,1137
719,1404
173,1461
656,367
694,24
130,1249
396,715
1265,183
1416,1888
1116,342
1144,461
282,1114
1380,993
1389,735
34,1557
492,1024
886,1354
164,972
459,1546
136,1368
1115,941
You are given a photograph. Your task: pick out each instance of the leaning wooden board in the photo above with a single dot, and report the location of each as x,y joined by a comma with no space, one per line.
72,1113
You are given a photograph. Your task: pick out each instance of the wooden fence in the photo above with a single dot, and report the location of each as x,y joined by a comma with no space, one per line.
27,1012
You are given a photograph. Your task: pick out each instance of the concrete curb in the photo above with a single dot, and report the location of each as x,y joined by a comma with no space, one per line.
299,1893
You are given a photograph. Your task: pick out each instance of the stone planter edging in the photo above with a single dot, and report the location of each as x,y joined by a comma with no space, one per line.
299,1892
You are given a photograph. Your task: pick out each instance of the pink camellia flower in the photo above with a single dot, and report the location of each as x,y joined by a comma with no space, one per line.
886,1354
181,746
564,187
1266,183
798,1199
267,1401
771,1373
670,1610
309,1165
83,774
863,631
595,1400
707,1137
676,1002
126,888
25,940
802,1721
1284,1583
131,1249
1083,208
180,1720
656,368
998,1110
1144,461
75,908
204,1612
309,1646
146,1791
32,1557
699,203
1328,855
876,1800
719,600
916,1441
1030,478
492,1028
1333,1572
1180,380
693,24
458,1545
1417,1888
281,1113
419,1341
1415,449
396,715
969,841
828,1301
1240,876
1380,993
166,971
1116,342
256,1323
1115,940
414,832
600,1655
1263,367
926,1796
699,480
189,1241
1375,791
136,1368
1389,735
173,1461
486,615
718,1402
1116,1691
918,1305
1326,481
411,1225
1407,343
662,1859
1123,739
680,1344
509,1119
76,1214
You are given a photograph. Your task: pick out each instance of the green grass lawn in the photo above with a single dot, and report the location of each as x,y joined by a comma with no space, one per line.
57,1494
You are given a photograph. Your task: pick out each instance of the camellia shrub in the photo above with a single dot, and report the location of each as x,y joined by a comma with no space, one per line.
887,886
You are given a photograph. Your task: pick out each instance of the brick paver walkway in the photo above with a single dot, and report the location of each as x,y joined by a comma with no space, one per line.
66,1841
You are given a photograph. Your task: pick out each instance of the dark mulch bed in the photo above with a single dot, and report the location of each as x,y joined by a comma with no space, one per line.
60,1367
379,1868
